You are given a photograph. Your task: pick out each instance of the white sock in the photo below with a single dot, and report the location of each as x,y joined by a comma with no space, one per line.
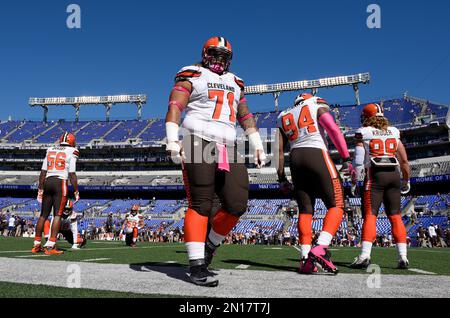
366,249
49,244
305,250
324,238
402,251
196,250
215,238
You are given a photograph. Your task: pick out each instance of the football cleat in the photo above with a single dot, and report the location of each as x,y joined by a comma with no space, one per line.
199,274
133,245
307,266
403,264
52,251
210,251
360,263
37,249
75,247
321,255
84,238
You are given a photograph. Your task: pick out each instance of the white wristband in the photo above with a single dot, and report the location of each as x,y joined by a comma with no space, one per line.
255,141
172,132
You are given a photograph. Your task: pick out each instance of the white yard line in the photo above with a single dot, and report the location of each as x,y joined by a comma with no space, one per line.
95,259
416,270
37,255
98,249
242,266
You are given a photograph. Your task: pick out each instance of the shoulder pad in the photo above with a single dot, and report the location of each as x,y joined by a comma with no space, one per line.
320,100
187,73
239,82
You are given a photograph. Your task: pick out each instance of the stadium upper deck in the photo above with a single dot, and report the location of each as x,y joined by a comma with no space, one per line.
405,113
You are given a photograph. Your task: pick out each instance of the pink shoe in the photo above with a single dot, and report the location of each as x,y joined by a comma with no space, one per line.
307,266
321,255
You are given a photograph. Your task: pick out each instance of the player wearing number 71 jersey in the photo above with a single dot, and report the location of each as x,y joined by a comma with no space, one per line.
213,100
313,174
59,165
380,153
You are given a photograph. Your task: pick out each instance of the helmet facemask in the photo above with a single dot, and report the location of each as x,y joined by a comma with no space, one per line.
217,60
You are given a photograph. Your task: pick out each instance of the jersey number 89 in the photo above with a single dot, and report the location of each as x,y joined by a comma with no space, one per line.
386,148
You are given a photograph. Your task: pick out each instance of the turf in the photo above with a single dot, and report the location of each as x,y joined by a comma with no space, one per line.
16,290
256,257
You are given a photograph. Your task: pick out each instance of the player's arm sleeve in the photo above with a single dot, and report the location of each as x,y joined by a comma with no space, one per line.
73,161
326,120
360,152
45,164
244,116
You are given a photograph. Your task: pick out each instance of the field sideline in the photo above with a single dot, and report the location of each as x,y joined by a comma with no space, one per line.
110,269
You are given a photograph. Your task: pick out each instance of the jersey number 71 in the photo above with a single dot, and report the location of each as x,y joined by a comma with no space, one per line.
219,96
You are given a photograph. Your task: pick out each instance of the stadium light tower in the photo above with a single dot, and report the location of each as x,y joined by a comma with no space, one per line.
313,85
77,102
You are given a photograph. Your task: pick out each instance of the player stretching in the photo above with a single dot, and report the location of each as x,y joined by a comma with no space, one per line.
134,221
58,166
69,227
213,99
313,174
380,151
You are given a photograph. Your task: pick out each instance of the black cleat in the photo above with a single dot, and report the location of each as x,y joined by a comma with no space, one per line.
210,251
83,244
359,263
199,274
403,264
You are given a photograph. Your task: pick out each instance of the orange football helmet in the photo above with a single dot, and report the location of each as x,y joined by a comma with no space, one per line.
217,54
371,110
67,139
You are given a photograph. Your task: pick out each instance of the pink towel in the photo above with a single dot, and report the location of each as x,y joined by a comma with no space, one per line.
224,165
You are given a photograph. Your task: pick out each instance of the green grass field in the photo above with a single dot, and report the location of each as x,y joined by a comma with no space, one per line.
257,257
268,258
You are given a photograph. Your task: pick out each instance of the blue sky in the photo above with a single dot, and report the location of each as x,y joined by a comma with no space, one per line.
136,46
